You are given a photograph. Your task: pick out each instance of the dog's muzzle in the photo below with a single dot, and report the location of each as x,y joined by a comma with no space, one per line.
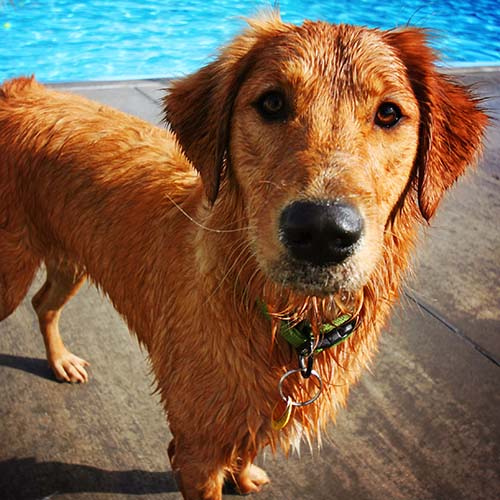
321,233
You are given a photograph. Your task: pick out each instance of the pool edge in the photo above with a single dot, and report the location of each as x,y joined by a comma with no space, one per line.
158,82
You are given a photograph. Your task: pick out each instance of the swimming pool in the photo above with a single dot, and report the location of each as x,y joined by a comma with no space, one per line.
68,40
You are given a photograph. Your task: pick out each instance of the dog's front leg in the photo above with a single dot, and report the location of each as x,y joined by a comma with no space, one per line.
198,477
244,475
248,478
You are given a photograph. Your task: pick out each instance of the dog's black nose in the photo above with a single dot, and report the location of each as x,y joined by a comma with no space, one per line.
321,233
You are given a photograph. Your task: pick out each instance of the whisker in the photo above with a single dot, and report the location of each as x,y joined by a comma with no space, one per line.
202,226
272,184
241,247
245,299
237,290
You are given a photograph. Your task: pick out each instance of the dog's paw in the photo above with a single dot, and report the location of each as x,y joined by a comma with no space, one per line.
69,368
251,480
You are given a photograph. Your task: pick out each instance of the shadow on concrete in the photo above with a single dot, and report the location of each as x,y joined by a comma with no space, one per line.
49,479
35,366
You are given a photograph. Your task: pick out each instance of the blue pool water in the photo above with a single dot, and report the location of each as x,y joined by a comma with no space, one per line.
68,40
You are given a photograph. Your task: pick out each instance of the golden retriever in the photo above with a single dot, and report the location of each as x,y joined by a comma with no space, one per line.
255,248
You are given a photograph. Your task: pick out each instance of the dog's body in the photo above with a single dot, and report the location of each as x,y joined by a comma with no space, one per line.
283,123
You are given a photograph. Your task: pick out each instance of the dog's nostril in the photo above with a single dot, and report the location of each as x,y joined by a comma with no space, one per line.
322,233
299,236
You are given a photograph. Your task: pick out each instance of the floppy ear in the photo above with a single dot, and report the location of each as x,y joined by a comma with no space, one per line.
199,107
451,122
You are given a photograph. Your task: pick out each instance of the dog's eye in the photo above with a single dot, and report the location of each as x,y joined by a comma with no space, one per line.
388,115
272,106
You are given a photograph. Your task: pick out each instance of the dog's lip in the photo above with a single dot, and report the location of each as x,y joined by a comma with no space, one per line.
313,290
314,280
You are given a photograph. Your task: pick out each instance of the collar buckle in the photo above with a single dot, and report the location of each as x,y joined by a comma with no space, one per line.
306,357
300,336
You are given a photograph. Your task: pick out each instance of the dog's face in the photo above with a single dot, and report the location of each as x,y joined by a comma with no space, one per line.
325,131
323,142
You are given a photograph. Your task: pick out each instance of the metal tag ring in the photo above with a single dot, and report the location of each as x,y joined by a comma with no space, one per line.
314,374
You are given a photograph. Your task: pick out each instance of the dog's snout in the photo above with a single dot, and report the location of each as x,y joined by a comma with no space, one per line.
321,233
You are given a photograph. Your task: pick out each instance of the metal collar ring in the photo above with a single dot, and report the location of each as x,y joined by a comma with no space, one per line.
314,374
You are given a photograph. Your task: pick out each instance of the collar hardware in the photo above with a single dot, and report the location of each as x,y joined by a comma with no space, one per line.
332,333
300,336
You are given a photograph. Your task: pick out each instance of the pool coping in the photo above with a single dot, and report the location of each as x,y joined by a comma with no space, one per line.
163,81
471,69
100,84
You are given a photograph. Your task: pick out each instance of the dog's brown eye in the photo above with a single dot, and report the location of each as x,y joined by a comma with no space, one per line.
388,115
272,106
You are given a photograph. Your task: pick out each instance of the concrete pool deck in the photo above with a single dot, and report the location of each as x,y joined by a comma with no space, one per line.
423,425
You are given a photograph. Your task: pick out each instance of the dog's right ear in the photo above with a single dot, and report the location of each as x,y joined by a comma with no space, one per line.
198,108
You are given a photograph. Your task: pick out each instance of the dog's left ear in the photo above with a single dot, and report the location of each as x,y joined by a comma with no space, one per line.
451,122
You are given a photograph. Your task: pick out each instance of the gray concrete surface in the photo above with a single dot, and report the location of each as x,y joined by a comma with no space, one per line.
423,425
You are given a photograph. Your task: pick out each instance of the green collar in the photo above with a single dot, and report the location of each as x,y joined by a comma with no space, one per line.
332,334
300,335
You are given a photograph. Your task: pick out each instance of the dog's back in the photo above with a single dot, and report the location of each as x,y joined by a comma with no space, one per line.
105,169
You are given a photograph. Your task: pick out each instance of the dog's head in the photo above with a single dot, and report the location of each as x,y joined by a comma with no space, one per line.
326,132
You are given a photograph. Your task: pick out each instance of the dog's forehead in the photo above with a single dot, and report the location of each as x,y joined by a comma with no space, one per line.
352,58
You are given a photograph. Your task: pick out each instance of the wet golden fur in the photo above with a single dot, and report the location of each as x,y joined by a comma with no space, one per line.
186,258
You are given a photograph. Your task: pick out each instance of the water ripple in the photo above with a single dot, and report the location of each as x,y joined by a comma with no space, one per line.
65,40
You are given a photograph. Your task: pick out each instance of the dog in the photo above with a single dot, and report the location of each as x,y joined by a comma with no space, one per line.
257,245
